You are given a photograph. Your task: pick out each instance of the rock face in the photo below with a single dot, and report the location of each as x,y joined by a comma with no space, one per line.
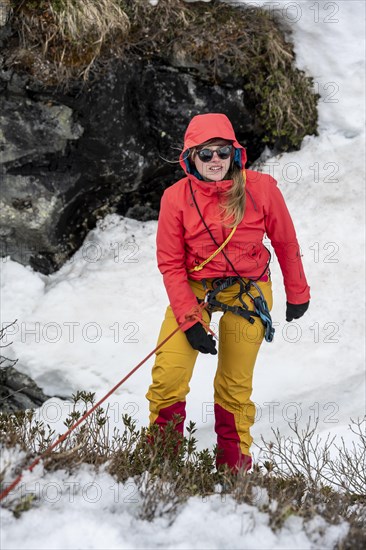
69,156
18,391
67,159
32,197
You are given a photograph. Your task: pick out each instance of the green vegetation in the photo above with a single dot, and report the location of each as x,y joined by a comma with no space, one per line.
295,476
60,40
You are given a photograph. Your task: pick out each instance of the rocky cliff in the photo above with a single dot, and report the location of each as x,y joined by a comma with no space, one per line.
73,149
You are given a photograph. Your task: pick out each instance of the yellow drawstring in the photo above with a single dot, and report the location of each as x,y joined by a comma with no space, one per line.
202,265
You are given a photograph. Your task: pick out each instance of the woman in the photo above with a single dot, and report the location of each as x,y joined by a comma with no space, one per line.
209,248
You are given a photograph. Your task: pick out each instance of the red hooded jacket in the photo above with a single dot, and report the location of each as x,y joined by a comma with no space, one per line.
183,241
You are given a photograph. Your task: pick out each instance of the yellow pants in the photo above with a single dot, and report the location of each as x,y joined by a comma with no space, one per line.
239,343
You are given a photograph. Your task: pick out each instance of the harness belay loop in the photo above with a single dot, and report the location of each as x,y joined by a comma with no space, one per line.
259,302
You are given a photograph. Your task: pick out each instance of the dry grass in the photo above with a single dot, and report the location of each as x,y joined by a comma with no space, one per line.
91,24
62,39
92,20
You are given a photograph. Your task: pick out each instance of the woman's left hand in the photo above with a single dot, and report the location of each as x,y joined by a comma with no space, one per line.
295,311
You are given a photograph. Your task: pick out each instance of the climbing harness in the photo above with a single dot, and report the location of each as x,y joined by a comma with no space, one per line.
260,305
261,309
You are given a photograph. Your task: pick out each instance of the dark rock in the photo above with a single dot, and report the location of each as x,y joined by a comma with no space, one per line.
69,158
18,391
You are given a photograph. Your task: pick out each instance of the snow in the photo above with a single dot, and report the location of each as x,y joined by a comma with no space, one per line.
85,510
89,324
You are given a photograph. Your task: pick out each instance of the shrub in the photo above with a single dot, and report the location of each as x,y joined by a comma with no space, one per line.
295,476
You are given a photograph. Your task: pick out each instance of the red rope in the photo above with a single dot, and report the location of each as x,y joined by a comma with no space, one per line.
196,313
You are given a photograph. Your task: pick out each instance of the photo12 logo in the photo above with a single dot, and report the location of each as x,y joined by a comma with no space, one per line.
70,332
292,12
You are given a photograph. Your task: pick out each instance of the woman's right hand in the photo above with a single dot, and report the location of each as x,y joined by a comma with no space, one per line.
200,340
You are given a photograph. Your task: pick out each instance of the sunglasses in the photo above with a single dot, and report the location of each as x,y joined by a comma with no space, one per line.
205,155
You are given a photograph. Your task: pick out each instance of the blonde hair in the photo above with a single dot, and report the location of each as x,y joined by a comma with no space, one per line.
233,207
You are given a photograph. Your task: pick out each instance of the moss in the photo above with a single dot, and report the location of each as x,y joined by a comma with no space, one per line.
217,42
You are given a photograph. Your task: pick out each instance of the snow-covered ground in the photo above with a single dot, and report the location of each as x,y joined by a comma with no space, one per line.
86,326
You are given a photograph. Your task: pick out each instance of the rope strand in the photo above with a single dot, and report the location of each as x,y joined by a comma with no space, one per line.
194,313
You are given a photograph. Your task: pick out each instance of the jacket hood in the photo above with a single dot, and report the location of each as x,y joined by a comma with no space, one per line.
205,127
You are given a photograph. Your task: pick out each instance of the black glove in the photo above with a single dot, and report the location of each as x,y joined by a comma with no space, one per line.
295,311
200,340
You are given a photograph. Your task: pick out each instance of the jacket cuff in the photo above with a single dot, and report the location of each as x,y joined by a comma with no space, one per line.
298,297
